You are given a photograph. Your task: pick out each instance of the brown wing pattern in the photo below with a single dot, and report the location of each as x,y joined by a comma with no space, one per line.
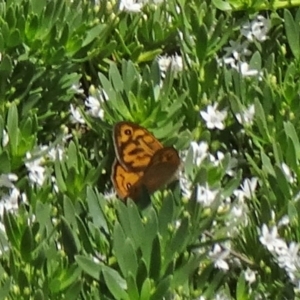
134,146
141,161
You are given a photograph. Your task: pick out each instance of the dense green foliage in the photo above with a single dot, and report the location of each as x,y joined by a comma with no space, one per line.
64,235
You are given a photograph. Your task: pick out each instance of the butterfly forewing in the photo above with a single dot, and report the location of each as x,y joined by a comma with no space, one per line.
134,146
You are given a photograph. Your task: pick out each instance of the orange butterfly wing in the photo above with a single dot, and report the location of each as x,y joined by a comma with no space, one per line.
141,161
134,146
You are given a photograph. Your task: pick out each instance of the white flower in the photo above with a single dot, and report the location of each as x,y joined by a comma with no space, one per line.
94,106
199,152
289,259
175,61
36,171
247,189
257,29
24,198
164,62
236,51
284,221
5,138
287,172
237,211
7,180
271,240
54,184
185,185
205,196
56,153
76,115
219,256
213,117
217,161
10,201
177,64
246,117
245,70
157,2
130,6
77,88
250,276
110,195
222,296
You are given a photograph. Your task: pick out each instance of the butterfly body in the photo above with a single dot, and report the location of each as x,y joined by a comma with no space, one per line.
141,161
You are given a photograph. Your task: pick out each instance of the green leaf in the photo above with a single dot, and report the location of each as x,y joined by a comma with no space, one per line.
146,290
115,283
59,176
282,182
70,276
12,229
136,225
241,291
84,236
162,288
5,165
95,210
151,229
222,5
5,288
89,266
165,215
72,156
37,6
292,212
133,292
69,212
38,295
68,239
156,257
290,131
124,251
292,33
23,281
32,28
107,86
64,35
201,43
93,33
10,17
261,120
142,273
266,164
178,242
14,39
43,216
185,270
12,128
123,217
74,290
115,78
26,246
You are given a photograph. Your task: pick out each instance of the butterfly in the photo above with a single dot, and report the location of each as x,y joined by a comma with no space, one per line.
142,162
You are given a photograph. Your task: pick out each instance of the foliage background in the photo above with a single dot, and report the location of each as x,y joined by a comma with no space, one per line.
64,235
